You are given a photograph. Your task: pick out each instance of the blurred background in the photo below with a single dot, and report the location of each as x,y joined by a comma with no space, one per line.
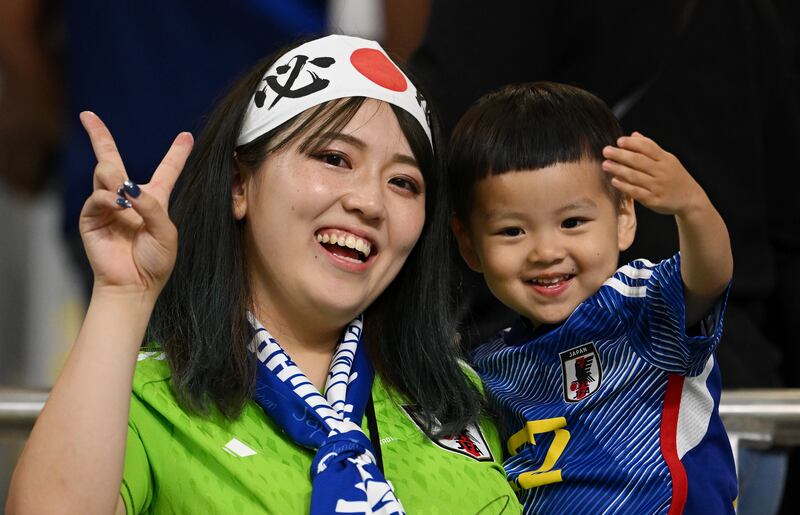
715,82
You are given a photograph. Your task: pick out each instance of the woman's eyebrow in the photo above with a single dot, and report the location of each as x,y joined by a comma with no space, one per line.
405,159
347,138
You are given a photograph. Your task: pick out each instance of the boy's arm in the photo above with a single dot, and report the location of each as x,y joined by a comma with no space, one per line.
654,177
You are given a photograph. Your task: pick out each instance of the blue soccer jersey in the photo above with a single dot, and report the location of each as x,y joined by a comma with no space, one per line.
616,409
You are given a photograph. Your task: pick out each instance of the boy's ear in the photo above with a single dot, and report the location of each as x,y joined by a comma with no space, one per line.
626,223
239,193
465,245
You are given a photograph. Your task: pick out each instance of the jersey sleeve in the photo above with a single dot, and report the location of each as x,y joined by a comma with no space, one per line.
136,489
649,299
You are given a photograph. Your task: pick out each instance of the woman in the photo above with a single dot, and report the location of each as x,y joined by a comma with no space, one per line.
305,204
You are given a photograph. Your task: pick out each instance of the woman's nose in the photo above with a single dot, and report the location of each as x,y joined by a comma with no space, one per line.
366,198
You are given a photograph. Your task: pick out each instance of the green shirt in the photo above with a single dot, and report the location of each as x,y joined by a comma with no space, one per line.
177,462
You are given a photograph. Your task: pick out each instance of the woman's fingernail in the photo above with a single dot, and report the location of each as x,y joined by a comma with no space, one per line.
121,191
132,189
125,203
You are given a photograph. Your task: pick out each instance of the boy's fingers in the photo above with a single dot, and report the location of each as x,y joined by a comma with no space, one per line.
641,144
630,158
632,190
171,167
625,173
105,149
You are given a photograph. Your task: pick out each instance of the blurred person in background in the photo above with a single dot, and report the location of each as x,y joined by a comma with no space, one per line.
152,68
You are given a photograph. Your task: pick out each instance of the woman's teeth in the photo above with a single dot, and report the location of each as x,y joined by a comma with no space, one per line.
346,240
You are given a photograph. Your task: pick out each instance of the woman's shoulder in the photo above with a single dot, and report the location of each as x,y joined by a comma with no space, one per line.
471,373
152,370
450,473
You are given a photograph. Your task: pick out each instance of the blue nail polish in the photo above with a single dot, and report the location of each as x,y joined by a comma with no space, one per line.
125,203
121,191
132,189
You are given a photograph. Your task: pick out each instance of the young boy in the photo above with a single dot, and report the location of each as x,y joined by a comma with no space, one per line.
607,384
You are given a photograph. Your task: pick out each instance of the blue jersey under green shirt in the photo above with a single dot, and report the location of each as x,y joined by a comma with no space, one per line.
616,409
177,462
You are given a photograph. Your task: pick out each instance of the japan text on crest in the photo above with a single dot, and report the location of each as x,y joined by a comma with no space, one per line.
581,372
470,442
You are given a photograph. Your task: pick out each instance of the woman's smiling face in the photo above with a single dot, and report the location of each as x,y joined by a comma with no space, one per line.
327,231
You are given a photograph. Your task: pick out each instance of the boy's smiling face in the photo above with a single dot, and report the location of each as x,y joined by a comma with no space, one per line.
546,240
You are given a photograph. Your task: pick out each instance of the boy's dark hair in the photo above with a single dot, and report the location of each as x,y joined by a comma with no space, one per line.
527,127
199,318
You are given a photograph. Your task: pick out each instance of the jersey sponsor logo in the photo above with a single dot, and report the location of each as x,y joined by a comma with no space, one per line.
470,442
238,449
581,372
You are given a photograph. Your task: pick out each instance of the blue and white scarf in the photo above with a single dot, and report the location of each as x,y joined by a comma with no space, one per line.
344,476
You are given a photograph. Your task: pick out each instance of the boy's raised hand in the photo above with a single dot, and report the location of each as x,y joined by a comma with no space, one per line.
131,249
652,176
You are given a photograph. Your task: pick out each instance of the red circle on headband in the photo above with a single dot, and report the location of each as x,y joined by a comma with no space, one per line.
374,65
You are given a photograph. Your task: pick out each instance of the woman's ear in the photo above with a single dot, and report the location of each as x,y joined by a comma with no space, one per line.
626,223
465,245
239,192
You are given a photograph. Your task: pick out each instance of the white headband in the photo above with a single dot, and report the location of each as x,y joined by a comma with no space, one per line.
326,69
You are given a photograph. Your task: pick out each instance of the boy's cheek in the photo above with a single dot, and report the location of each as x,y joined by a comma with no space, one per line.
498,265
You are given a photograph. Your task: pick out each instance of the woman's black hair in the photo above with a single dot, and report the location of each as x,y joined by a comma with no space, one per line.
200,320
527,127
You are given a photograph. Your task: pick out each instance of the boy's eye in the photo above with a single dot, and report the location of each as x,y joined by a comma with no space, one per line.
510,231
571,223
406,183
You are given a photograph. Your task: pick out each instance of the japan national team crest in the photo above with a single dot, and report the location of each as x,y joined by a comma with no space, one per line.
470,442
581,372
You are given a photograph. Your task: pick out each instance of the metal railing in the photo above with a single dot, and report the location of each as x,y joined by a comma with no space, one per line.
768,416
18,410
758,417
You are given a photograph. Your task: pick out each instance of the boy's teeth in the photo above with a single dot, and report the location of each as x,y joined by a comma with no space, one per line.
553,280
348,240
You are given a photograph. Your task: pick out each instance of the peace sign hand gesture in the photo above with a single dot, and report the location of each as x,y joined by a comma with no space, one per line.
130,241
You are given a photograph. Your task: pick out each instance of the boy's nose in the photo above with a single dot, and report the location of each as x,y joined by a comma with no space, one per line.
547,249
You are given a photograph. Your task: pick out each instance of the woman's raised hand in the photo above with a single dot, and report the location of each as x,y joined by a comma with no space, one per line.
130,241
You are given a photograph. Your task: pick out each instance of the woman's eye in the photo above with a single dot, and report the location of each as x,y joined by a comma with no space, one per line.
406,184
571,223
333,159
